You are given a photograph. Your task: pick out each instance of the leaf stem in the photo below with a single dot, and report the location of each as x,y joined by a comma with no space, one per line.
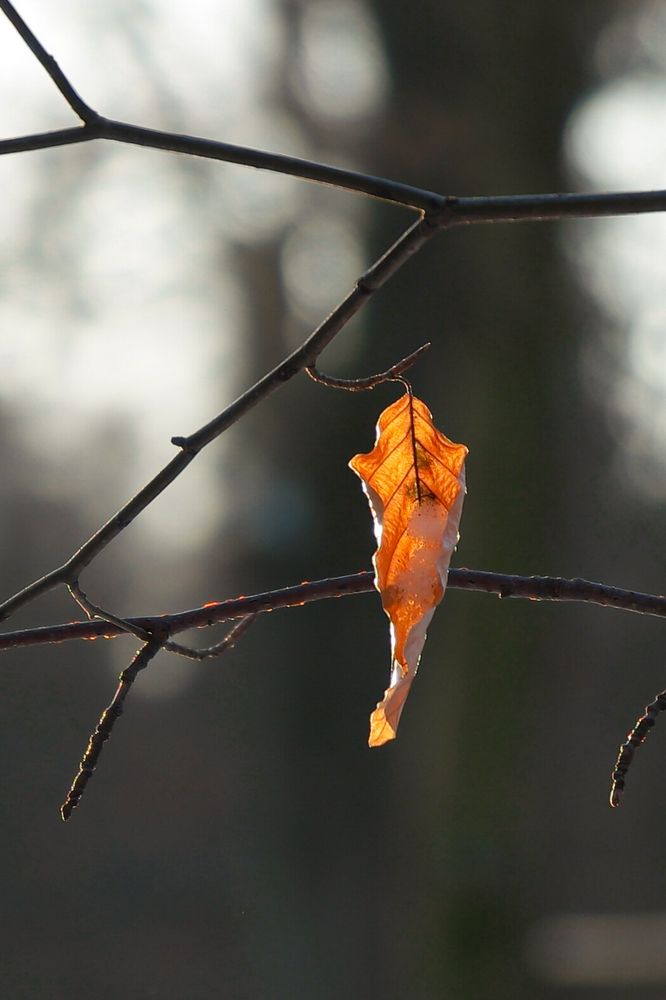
370,381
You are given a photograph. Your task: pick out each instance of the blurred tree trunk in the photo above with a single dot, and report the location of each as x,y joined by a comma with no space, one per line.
482,93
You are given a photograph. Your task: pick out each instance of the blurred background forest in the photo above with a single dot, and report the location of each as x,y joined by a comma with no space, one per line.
239,839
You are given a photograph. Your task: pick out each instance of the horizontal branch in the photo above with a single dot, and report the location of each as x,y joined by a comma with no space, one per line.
443,211
550,207
47,140
533,588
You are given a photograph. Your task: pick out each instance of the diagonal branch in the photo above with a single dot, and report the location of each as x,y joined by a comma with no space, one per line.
76,103
634,739
376,276
114,710
105,725
533,588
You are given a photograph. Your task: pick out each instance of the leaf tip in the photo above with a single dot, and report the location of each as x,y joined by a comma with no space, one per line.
381,730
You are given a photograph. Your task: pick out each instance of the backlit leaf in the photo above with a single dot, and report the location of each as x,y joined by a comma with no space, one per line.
414,479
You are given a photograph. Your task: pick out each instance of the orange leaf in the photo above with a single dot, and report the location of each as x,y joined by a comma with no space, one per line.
414,479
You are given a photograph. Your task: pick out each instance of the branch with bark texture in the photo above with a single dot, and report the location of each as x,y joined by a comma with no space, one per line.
532,588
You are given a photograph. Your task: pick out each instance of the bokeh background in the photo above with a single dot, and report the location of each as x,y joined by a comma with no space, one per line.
239,839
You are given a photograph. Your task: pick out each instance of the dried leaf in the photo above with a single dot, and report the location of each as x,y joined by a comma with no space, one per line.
414,479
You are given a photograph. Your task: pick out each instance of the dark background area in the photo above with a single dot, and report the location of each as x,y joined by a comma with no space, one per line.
240,840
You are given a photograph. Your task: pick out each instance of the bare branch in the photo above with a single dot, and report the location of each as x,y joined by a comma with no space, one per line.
114,710
105,726
46,140
229,641
69,571
549,207
309,170
635,738
76,103
293,166
533,588
93,611
556,588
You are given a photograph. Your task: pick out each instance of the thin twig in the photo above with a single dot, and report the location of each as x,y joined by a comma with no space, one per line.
48,140
229,641
114,710
105,726
635,738
371,381
93,611
532,588
76,103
